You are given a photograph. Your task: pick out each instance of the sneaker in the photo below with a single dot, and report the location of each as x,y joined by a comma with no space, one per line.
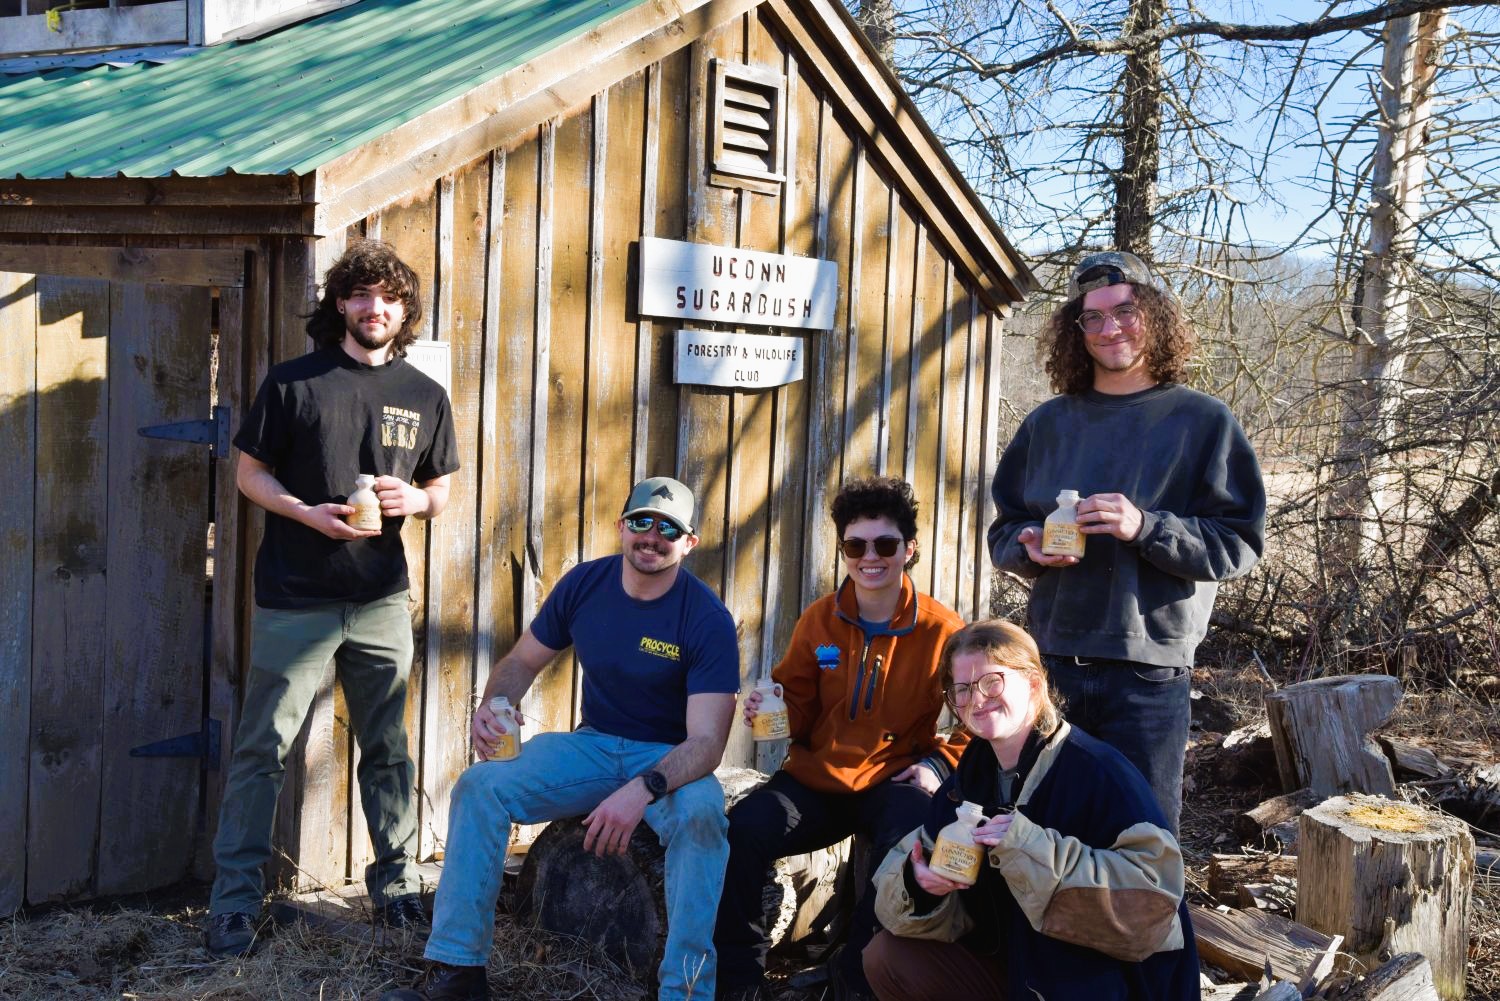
404,913
446,983
231,934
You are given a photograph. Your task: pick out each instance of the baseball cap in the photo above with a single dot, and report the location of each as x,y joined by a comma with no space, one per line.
664,496
1112,267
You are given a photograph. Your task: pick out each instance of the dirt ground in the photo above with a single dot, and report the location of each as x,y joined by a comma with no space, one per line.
149,948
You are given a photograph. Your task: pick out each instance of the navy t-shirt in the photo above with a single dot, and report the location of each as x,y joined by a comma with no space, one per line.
641,659
319,421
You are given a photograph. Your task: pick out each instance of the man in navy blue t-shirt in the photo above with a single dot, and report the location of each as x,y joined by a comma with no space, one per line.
660,673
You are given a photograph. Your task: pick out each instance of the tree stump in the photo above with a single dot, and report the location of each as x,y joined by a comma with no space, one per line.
1408,977
1391,878
1321,733
618,903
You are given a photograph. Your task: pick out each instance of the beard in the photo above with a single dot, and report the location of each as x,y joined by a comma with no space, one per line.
663,552
366,340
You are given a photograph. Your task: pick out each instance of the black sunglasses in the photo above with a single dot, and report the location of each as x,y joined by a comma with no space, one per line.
886,545
669,530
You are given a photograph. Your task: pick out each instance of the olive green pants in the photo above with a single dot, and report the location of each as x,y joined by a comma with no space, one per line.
371,648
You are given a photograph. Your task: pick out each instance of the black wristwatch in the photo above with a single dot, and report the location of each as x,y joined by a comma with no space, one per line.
656,784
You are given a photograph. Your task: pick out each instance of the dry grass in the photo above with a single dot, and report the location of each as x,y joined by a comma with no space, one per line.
154,954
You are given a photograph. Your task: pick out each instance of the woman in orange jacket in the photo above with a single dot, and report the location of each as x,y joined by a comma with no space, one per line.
861,683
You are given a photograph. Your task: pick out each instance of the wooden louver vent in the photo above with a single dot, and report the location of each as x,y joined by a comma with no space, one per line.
747,124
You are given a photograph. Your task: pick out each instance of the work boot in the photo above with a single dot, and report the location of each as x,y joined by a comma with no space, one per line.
403,913
446,983
231,934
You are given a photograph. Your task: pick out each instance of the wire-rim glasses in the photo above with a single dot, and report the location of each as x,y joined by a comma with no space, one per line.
989,686
1126,316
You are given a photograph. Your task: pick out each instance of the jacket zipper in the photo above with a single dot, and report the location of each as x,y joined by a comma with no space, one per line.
859,680
874,680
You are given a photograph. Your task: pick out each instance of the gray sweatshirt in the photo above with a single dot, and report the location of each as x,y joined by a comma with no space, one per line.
1179,456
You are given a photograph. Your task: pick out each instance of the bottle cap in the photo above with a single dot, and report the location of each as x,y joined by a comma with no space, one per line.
971,811
1067,498
364,480
499,704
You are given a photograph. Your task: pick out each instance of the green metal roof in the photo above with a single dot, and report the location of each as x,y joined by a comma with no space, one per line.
285,103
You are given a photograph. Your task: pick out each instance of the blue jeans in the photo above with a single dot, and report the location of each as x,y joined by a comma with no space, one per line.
1141,710
566,775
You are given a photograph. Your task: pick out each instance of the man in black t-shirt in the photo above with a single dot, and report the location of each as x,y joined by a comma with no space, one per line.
326,590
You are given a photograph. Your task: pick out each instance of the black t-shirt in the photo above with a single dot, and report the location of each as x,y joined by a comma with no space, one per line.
318,422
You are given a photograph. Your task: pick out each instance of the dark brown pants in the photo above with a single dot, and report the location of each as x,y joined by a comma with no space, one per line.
914,969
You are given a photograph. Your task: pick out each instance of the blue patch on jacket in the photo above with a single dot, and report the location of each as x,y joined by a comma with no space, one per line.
828,657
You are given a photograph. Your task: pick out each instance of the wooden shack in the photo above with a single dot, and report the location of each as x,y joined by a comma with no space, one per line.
163,225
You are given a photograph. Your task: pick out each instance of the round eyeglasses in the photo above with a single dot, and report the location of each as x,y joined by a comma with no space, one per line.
989,686
1126,317
886,545
641,524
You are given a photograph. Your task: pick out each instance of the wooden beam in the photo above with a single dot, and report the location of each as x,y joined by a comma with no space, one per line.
186,220
225,268
494,113
155,192
148,24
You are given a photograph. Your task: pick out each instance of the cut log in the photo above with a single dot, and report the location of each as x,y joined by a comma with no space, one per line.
1227,873
1391,878
618,902
1474,795
1410,761
1321,731
1246,759
1273,824
1407,977
1278,896
1242,942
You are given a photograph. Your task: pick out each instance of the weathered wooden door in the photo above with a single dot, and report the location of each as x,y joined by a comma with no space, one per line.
106,596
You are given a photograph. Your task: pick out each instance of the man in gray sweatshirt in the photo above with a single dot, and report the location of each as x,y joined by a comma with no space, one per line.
1172,503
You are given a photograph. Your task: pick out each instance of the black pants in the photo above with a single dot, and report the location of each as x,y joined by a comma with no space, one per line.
785,817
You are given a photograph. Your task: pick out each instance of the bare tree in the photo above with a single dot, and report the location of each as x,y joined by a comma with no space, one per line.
1359,345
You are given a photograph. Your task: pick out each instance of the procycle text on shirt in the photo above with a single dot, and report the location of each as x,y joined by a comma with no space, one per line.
660,648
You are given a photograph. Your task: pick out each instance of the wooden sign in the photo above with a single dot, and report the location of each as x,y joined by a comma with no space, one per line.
699,281
739,361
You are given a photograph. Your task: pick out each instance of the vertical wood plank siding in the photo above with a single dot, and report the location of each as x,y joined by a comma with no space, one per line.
562,395
69,592
153,678
17,533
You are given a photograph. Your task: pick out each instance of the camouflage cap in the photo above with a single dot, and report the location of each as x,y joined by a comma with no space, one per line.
1112,267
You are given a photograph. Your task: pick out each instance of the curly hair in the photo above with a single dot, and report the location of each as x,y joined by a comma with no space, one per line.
1169,347
1008,645
877,497
367,262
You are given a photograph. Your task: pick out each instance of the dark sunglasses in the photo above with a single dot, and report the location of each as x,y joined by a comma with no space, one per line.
669,530
886,545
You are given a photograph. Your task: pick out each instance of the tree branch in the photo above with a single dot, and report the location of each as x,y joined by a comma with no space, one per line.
1077,46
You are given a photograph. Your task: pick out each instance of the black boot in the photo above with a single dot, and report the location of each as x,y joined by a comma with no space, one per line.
446,983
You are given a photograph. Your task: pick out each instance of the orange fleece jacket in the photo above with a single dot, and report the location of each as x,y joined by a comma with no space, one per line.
863,708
